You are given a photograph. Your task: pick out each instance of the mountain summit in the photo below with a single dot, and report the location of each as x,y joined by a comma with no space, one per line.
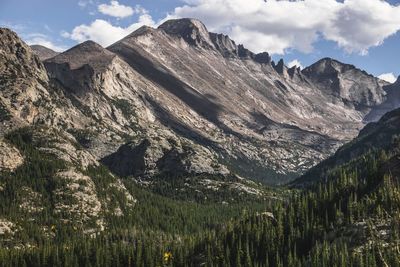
353,85
43,52
192,31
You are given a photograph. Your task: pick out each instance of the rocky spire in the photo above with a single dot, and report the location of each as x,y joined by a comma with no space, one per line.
280,67
79,68
263,58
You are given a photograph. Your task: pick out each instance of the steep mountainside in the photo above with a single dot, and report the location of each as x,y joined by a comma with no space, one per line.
391,102
43,52
43,171
270,118
119,100
58,123
373,138
22,82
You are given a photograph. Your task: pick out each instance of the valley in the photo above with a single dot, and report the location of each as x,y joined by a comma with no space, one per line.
176,146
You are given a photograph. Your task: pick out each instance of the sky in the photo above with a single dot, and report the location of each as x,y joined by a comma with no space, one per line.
365,33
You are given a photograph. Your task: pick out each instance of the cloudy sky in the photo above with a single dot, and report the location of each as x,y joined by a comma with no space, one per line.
365,33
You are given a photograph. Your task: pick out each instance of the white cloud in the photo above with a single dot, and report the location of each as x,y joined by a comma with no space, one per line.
41,39
13,26
279,25
115,9
295,62
104,33
361,24
84,3
389,77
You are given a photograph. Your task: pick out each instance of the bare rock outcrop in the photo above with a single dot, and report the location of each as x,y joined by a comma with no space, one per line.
7,227
85,205
158,156
10,157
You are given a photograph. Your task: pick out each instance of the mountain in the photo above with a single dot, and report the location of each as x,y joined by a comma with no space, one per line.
390,103
43,169
274,120
180,102
43,52
355,87
62,117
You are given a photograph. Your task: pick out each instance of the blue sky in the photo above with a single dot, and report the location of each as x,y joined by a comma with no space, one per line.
361,32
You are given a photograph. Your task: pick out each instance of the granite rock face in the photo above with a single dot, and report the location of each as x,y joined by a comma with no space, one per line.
50,122
23,79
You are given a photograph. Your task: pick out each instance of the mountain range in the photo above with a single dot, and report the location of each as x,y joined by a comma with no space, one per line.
178,115
180,86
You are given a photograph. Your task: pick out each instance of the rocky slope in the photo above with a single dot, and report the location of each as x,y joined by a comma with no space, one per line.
374,137
391,102
22,81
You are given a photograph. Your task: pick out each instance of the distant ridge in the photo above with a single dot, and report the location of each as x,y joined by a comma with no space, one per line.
43,52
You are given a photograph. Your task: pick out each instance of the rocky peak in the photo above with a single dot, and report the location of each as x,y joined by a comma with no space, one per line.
352,85
43,52
228,48
280,67
327,66
224,44
87,52
244,52
294,70
193,31
80,67
296,75
22,80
